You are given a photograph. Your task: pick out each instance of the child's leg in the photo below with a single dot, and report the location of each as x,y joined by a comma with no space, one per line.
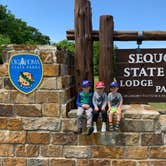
89,121
118,118
104,120
94,120
110,116
104,116
95,115
79,117
89,117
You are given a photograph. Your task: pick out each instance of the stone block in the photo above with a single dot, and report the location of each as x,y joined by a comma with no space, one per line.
27,150
3,69
33,110
4,96
3,123
44,123
64,81
69,124
93,139
46,57
127,139
137,125
152,163
51,151
135,152
6,150
19,98
141,114
110,139
1,82
51,70
8,85
151,139
62,162
48,97
37,162
107,152
63,69
6,110
93,162
51,109
72,113
67,107
64,138
14,137
14,162
158,152
143,163
49,83
38,137
123,163
163,122
158,163
76,152
14,124
162,111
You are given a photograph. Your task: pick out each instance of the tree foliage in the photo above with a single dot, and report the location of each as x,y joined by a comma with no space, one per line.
67,45
18,31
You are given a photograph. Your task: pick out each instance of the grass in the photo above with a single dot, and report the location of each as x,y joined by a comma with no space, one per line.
157,106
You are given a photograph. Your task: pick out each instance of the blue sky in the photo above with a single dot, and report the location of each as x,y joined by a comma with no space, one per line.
54,17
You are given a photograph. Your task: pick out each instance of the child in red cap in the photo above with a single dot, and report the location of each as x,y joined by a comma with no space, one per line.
99,102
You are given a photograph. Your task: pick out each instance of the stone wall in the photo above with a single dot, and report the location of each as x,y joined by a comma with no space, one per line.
34,129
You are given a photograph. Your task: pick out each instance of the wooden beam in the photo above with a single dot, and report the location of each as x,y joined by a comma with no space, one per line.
83,42
125,35
106,50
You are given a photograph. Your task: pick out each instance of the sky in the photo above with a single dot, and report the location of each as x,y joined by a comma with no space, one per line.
54,17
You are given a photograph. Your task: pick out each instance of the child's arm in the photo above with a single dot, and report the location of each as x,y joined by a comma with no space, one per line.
104,102
109,105
94,102
120,104
78,101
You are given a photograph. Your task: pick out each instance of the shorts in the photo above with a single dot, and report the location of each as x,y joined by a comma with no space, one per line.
113,110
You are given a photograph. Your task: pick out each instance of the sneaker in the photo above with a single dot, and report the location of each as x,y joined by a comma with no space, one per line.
111,128
79,131
103,128
94,129
90,130
117,126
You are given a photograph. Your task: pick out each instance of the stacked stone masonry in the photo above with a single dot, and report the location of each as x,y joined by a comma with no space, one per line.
35,131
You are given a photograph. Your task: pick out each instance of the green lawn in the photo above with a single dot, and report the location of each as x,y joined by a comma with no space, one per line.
155,105
158,105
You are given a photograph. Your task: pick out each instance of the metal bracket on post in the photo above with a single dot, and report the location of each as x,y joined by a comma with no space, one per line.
139,40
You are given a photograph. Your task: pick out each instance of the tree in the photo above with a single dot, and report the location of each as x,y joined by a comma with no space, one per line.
18,31
67,45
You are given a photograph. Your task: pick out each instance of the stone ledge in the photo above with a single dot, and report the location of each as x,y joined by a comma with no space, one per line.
133,111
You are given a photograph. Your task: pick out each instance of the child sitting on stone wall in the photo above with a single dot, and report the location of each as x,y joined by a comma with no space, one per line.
84,104
115,102
99,102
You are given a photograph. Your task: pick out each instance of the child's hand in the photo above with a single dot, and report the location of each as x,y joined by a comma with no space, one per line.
96,108
85,106
103,108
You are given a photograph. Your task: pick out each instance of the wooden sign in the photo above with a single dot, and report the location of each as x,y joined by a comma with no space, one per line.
142,75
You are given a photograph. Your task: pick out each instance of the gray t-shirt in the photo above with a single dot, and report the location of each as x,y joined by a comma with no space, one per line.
114,99
99,100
